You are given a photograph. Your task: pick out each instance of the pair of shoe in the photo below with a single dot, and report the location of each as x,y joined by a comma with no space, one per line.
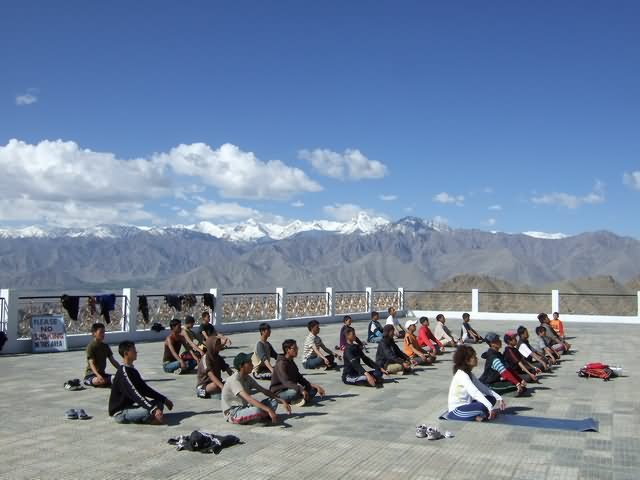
75,414
73,385
201,392
178,371
431,433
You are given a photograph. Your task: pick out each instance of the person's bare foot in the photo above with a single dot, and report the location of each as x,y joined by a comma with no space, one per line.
479,419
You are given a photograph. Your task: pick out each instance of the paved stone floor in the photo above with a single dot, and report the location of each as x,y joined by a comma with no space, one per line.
355,432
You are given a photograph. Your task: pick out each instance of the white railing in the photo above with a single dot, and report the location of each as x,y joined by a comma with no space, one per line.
137,311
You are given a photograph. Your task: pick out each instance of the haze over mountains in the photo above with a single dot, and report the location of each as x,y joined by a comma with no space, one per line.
412,252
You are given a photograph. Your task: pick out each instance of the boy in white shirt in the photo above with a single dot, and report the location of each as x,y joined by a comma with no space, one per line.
392,320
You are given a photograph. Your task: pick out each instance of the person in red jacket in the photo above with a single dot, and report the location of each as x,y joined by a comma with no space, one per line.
427,339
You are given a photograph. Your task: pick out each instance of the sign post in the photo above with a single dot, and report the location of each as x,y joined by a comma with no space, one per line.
48,334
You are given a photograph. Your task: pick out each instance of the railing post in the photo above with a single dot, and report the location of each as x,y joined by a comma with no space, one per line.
370,300
331,302
475,300
11,298
218,307
639,304
400,299
281,303
129,310
555,301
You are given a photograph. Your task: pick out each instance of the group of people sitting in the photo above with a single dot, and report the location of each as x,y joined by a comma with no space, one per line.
523,360
133,401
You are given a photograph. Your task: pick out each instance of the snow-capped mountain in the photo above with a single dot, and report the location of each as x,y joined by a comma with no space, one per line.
248,231
546,236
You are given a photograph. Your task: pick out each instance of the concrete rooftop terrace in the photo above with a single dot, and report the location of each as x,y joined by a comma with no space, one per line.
355,432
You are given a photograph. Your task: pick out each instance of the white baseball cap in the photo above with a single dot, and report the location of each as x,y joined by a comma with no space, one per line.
410,322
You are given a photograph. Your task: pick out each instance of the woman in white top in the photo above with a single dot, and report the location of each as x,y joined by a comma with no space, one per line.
468,398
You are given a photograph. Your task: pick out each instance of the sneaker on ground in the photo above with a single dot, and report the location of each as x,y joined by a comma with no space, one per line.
421,431
178,371
202,393
433,433
299,403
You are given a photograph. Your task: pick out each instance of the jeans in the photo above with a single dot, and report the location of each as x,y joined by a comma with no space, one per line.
374,339
362,379
244,415
471,410
290,395
171,367
315,362
132,415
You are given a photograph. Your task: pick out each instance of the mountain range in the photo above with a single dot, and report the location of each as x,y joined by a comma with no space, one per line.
412,252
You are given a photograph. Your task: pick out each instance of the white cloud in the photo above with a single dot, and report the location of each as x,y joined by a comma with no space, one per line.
491,222
224,211
28,98
238,174
344,212
572,201
351,164
388,198
632,179
495,207
444,197
298,204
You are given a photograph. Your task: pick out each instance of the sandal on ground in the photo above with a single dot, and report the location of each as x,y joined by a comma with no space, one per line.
71,414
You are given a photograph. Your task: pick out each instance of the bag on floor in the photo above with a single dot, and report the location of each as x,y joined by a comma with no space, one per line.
596,370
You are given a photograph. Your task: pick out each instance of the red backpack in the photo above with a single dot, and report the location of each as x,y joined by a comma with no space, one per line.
596,370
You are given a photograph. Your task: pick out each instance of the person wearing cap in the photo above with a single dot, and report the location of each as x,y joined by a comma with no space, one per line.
411,347
238,406
515,361
496,374
442,332
287,382
389,357
427,339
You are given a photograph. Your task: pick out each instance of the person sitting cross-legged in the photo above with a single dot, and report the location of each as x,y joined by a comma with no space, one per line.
97,354
131,399
353,373
238,406
412,349
496,375
315,353
426,338
442,332
470,399
389,357
515,361
468,333
287,382
210,367
264,352
536,357
374,332
172,361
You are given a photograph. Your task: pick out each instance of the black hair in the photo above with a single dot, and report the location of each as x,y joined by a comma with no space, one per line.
374,314
386,329
521,330
439,317
465,316
389,310
346,317
264,327
205,314
287,344
97,326
174,322
312,324
461,357
424,320
540,329
541,317
189,319
349,330
125,346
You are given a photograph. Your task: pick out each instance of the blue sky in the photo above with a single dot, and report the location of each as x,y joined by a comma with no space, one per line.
510,116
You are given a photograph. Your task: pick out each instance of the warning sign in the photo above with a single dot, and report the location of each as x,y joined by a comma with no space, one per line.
48,334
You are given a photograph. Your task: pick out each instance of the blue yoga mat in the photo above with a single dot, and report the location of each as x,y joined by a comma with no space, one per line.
584,425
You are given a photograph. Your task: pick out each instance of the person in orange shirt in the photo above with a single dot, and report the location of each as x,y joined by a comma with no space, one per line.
412,348
557,325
